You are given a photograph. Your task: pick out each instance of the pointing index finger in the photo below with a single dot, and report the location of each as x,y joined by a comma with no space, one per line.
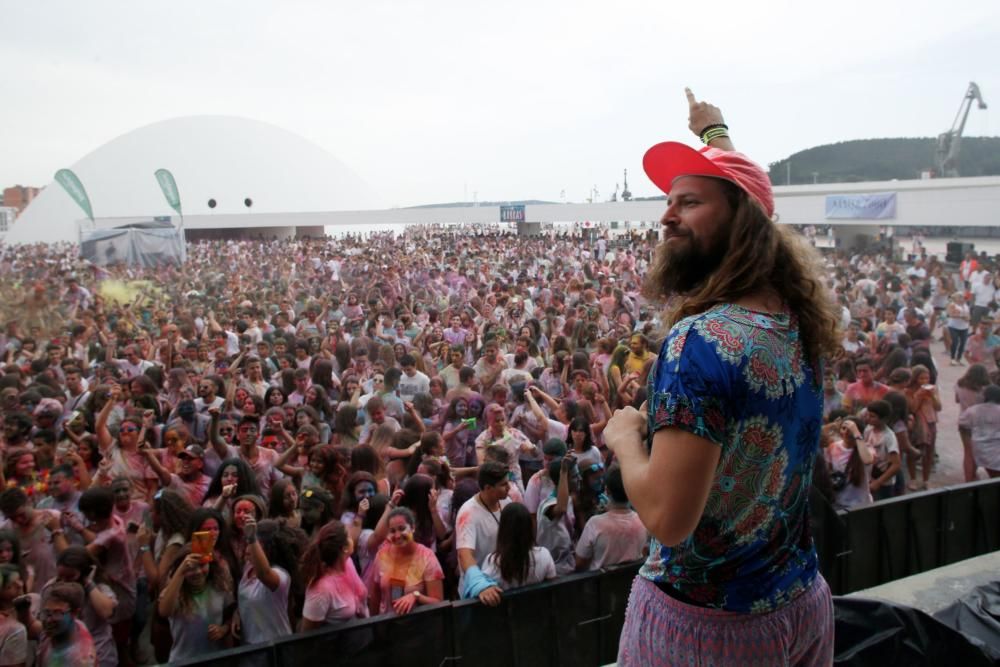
690,97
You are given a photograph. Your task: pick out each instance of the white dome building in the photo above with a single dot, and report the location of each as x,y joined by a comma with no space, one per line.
226,159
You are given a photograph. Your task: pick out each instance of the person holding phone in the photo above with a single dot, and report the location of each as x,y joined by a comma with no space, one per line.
197,601
850,462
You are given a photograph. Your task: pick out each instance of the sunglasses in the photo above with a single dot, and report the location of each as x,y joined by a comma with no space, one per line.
129,429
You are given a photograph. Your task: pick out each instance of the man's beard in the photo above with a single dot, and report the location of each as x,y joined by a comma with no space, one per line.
683,267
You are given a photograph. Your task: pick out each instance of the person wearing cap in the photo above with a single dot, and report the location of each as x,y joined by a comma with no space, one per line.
190,481
719,464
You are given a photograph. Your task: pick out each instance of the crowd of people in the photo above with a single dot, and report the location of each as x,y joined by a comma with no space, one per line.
285,435
882,398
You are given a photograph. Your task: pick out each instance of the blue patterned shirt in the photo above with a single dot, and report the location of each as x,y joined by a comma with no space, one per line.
738,378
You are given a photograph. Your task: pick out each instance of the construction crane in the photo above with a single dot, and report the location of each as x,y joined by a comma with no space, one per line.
950,142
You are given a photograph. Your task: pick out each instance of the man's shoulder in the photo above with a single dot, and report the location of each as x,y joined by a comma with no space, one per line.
468,507
725,330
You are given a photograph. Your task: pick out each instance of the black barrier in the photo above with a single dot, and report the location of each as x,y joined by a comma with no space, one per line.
576,620
911,534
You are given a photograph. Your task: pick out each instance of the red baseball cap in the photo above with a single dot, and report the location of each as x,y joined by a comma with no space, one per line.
664,163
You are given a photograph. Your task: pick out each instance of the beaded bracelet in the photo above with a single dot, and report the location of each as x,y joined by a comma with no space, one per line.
712,127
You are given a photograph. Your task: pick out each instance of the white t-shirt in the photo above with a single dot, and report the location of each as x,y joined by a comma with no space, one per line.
881,443
838,455
13,642
555,535
588,458
263,612
476,529
336,597
130,370
411,386
201,406
190,631
611,538
540,486
983,294
542,568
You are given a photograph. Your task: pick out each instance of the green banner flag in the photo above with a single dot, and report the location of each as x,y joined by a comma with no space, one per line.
74,188
169,187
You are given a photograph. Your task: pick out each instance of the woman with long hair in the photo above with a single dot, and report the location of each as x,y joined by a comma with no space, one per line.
899,423
554,378
274,397
307,415
362,532
419,496
329,468
121,454
10,554
925,404
405,573
21,470
234,478
581,442
318,399
284,502
346,428
360,485
197,600
322,375
317,509
77,566
364,458
517,561
849,462
459,431
969,392
270,583
169,516
335,593
89,452
437,389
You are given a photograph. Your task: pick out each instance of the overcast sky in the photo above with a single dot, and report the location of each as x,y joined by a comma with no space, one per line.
432,101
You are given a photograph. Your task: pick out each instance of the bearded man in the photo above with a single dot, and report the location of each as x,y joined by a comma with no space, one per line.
718,463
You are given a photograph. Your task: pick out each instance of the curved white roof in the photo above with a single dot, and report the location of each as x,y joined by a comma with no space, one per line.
225,158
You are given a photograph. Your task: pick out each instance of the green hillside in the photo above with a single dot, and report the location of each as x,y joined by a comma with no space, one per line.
882,160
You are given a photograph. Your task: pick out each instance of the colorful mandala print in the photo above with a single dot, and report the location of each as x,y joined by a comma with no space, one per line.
707,419
768,345
737,378
750,478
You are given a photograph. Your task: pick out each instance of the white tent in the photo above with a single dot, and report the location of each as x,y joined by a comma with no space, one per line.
143,244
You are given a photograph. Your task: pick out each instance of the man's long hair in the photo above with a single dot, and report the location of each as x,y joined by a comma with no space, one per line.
761,254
